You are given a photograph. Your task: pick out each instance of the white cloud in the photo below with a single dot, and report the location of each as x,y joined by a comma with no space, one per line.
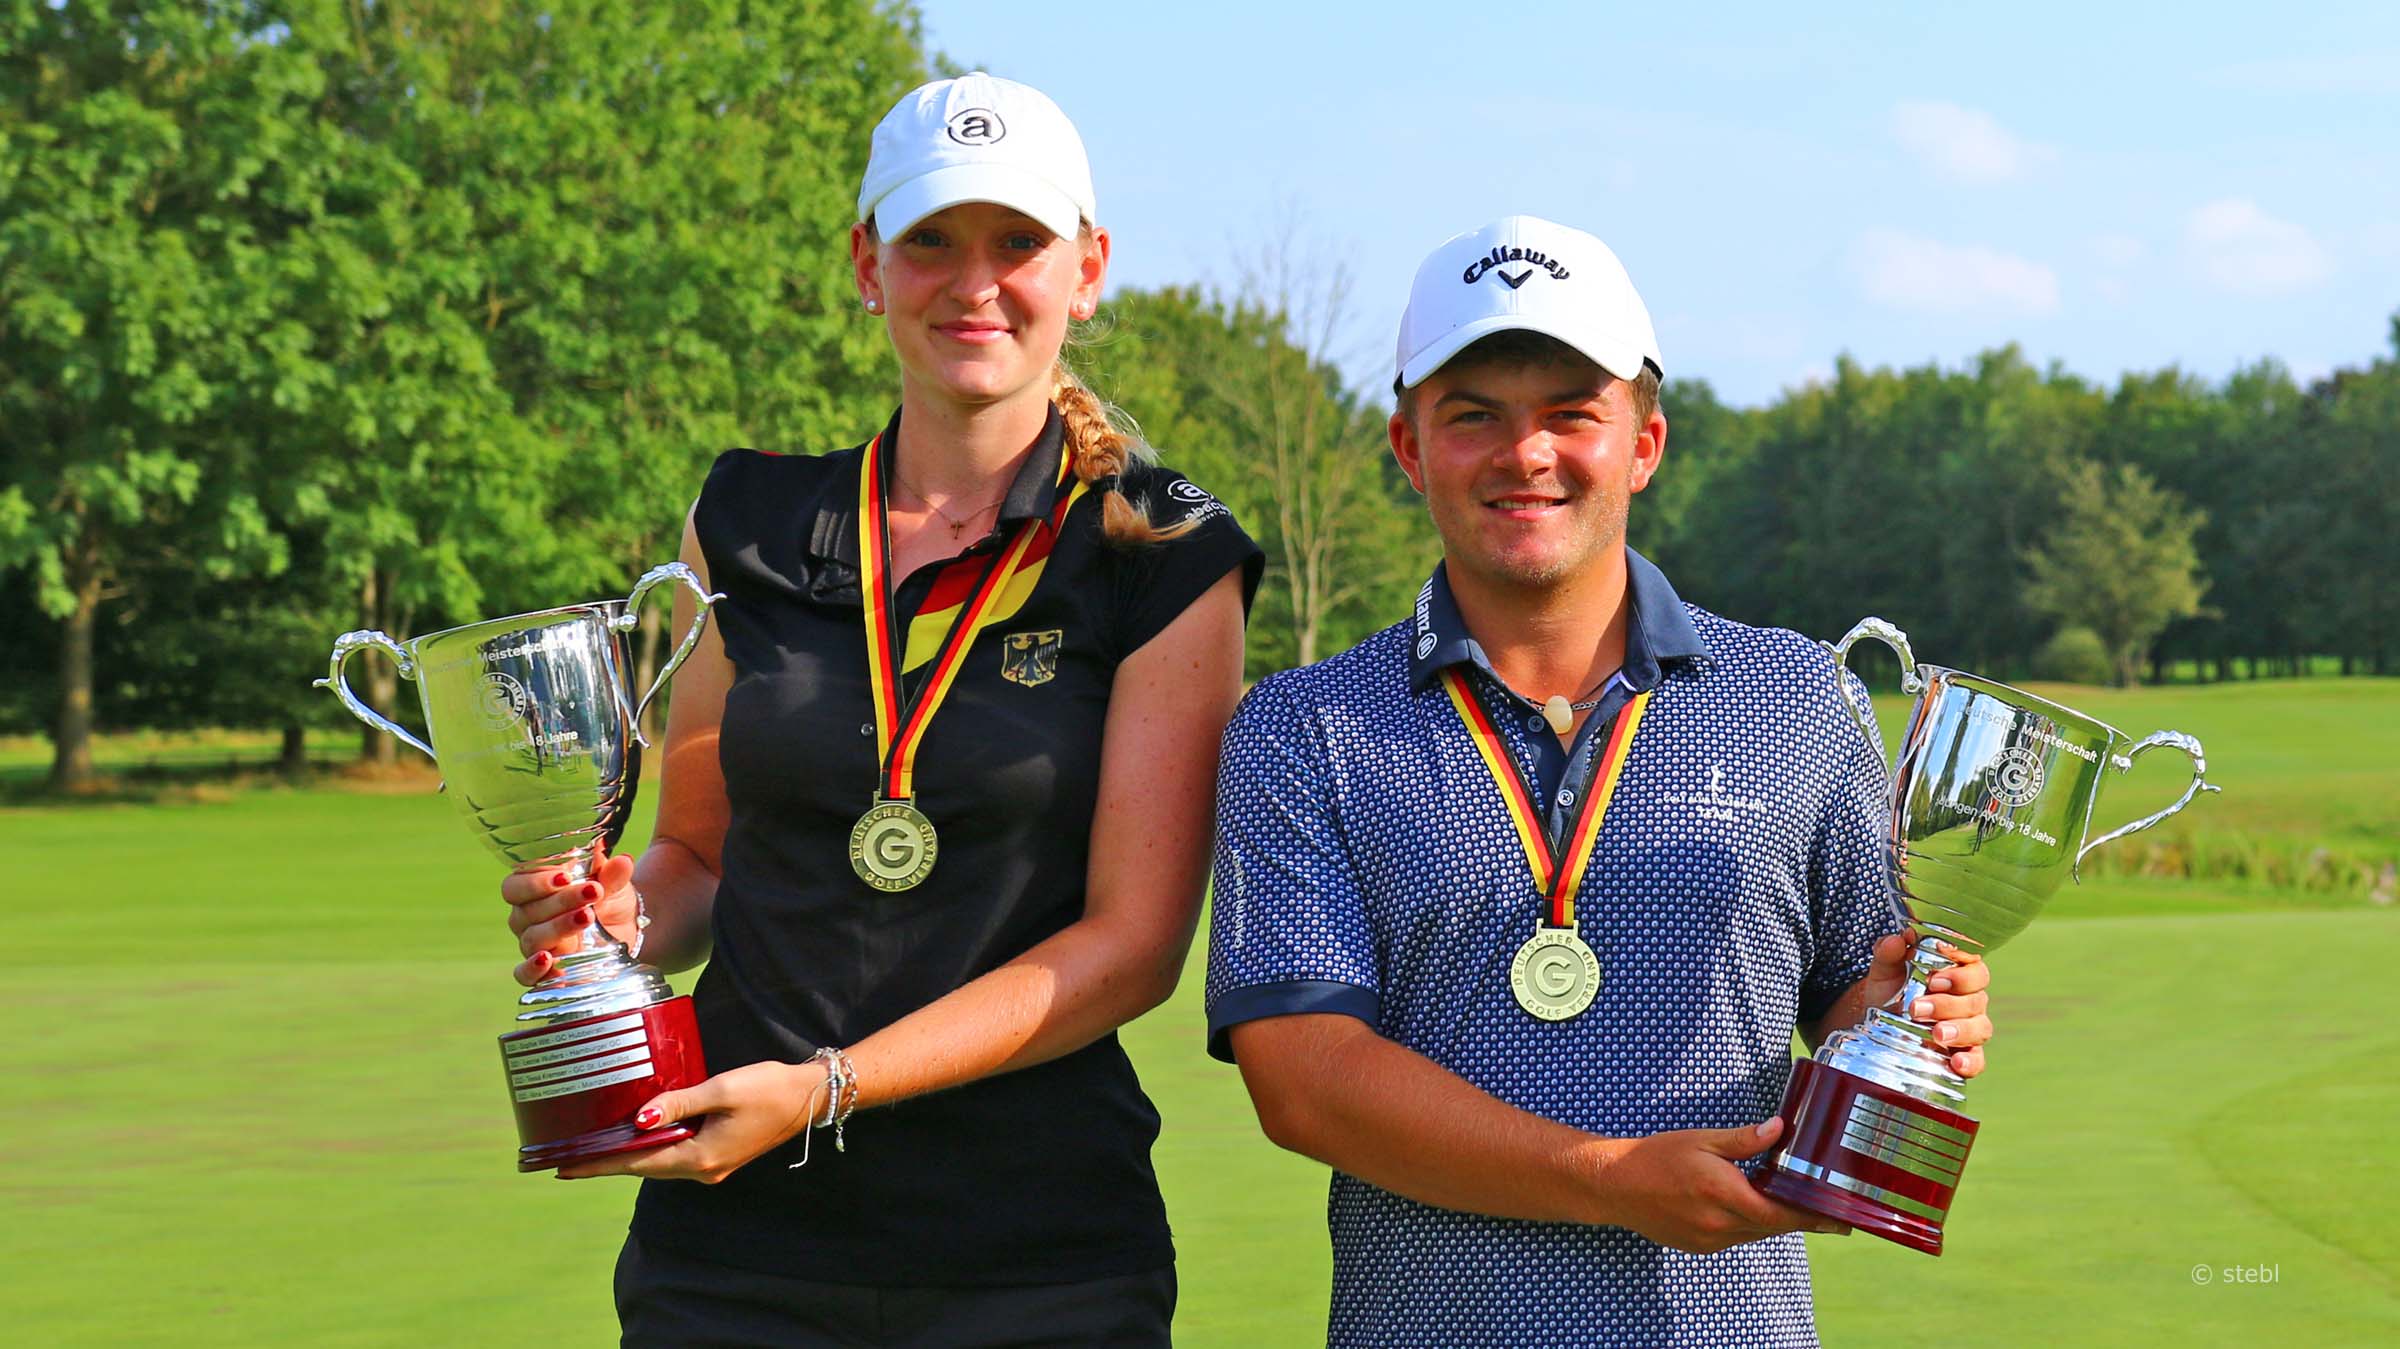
2237,247
1905,271
2118,250
1965,144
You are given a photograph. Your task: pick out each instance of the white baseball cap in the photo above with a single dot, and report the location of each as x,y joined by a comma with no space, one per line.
1521,271
976,138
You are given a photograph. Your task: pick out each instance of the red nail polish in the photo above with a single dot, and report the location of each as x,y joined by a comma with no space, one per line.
647,1119
541,960
558,879
591,891
583,917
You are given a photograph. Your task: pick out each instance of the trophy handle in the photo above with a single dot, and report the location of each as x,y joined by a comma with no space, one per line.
1861,711
624,622
2176,740
343,647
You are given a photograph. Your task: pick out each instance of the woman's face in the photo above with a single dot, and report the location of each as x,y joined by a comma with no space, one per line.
977,298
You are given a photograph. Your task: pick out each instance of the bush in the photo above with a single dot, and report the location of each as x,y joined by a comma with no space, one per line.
2074,656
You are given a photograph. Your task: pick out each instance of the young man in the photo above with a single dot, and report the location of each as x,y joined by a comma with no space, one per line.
1519,902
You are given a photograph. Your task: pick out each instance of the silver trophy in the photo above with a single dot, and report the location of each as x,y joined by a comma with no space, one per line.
1992,798
539,746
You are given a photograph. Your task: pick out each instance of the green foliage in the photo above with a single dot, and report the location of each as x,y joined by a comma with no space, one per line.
1231,397
320,315
2119,560
1908,494
454,301
2073,656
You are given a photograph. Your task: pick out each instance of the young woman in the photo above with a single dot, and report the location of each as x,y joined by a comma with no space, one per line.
936,807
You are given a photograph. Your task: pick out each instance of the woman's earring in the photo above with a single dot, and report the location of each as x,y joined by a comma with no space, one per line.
874,306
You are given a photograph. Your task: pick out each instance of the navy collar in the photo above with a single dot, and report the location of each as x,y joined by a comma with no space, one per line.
1659,629
1031,494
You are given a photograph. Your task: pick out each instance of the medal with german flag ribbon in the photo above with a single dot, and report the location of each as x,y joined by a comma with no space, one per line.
893,846
1556,974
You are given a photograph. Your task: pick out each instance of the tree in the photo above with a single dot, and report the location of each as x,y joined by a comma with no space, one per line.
2357,473
156,165
2118,560
455,299
636,217
1233,396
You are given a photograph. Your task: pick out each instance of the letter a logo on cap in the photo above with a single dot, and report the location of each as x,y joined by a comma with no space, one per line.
976,126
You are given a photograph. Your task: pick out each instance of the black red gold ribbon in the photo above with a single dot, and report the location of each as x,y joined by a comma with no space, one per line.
1555,878
900,729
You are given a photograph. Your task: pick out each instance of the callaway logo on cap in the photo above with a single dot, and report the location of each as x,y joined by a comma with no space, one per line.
1521,271
976,138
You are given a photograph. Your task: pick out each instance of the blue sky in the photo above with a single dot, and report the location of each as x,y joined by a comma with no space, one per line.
2115,186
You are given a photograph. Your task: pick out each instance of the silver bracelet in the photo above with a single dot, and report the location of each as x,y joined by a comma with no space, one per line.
840,1076
641,924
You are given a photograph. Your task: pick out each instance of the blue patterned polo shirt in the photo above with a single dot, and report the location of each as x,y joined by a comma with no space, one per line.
1366,866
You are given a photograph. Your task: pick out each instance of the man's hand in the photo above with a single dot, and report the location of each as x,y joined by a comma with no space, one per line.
1954,1004
1683,1190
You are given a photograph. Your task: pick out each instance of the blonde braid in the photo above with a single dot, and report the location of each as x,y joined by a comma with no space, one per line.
1103,450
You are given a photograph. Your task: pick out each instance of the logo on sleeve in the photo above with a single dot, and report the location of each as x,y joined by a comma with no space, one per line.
1199,505
1031,658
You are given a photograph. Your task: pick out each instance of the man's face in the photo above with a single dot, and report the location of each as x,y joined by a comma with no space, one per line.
1527,468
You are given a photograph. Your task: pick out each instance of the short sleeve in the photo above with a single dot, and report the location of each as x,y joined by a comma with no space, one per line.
1160,580
1288,930
1850,879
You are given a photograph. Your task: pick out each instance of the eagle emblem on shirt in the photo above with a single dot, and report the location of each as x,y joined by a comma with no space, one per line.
1030,658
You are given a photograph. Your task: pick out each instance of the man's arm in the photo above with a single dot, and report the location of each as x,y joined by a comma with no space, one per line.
1330,1087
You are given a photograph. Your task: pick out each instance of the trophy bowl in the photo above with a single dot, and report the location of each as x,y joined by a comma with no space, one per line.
1992,794
539,746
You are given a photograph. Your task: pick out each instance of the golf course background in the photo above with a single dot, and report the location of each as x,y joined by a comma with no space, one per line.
249,1030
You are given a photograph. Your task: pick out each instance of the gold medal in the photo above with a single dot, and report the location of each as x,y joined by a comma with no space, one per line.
1555,975
893,846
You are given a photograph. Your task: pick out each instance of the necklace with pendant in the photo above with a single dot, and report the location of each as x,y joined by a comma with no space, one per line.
958,524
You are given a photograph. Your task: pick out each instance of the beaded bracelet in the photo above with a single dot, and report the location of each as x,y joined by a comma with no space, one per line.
839,1075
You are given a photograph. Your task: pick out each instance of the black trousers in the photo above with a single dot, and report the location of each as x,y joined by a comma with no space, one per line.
665,1299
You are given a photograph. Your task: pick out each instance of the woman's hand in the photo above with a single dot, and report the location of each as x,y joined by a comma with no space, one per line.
1954,1003
549,915
738,1115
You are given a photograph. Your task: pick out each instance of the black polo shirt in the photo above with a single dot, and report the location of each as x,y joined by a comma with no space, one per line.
1036,1176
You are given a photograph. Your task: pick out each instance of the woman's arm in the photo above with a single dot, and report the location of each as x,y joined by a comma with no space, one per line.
1152,826
677,873
1151,830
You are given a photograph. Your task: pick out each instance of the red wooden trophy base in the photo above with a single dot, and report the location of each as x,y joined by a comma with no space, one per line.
1858,1151
578,1083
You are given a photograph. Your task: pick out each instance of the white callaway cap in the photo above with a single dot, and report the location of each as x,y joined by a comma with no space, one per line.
976,138
1521,271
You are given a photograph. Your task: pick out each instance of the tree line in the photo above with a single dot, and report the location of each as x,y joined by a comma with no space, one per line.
317,316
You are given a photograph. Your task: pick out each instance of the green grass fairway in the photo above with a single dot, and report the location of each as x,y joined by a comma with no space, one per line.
258,1101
